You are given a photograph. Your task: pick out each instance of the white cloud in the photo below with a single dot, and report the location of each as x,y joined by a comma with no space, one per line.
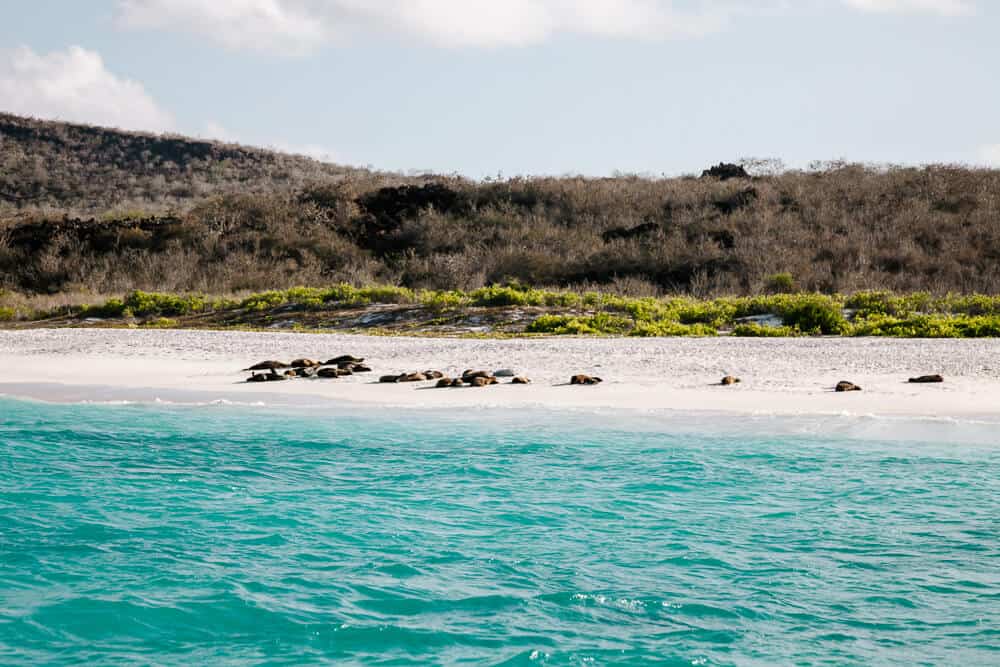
296,26
943,7
990,154
75,85
293,27
281,26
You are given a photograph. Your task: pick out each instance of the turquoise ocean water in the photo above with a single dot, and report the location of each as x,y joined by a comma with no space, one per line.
230,535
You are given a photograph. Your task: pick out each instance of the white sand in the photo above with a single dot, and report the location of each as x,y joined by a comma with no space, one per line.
780,376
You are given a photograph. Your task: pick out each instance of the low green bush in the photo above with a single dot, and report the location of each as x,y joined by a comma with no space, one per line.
7,314
755,330
815,313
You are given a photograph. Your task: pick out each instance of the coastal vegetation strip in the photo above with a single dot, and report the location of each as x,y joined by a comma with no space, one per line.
518,310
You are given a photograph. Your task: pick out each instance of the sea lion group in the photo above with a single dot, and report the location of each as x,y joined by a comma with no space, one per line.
348,365
345,364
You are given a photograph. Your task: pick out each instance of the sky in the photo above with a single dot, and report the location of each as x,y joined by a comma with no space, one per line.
488,88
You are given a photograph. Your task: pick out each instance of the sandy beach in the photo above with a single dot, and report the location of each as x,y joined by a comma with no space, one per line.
779,376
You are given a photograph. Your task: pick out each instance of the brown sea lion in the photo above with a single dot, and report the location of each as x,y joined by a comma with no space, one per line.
471,374
728,380
584,379
457,382
927,379
328,373
433,375
267,366
257,377
304,363
443,382
343,359
482,382
389,378
411,377
844,385
520,379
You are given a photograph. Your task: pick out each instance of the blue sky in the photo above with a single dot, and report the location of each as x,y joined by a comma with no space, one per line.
481,87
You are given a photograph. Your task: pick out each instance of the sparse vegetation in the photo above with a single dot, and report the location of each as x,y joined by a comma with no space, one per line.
552,312
87,211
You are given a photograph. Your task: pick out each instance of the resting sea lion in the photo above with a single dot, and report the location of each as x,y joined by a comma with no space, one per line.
927,379
584,379
344,359
520,380
728,380
844,385
267,366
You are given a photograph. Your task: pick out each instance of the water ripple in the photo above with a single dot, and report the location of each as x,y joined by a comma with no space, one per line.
228,535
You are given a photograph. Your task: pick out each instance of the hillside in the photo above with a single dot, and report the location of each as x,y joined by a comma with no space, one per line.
104,212
82,170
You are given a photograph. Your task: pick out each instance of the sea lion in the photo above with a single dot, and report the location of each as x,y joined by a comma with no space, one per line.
304,363
274,377
389,378
257,377
504,373
471,374
328,373
433,375
457,382
411,377
482,382
343,359
927,379
291,373
584,379
360,368
267,366
443,382
728,380
844,385
520,380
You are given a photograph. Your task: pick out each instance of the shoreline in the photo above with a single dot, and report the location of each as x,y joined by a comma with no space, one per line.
779,376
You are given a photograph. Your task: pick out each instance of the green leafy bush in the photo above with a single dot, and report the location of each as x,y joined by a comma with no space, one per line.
814,313
755,330
783,283
665,328
7,314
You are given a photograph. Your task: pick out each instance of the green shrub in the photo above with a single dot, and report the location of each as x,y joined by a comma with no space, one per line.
782,283
755,330
665,328
601,323
153,303
264,300
110,308
7,314
814,313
